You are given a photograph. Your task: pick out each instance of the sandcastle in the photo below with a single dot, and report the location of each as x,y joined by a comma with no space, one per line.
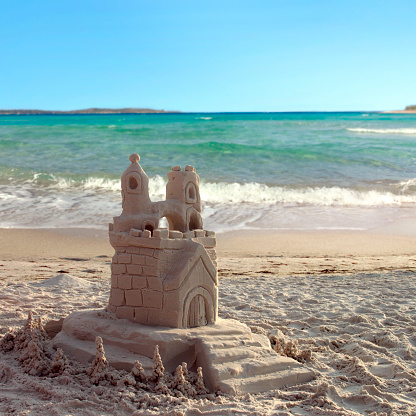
159,276
164,292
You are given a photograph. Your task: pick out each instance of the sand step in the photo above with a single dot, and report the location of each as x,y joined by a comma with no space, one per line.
275,380
226,333
220,356
229,348
231,342
248,364
254,366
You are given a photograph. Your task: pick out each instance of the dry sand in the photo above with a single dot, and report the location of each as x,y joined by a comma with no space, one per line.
399,112
348,297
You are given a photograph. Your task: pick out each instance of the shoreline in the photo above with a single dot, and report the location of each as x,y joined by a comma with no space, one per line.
31,254
120,111
398,238
399,112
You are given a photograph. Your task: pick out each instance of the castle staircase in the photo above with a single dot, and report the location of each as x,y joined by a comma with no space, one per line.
245,363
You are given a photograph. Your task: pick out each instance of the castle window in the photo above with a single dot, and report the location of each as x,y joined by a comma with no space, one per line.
149,225
191,193
150,228
134,183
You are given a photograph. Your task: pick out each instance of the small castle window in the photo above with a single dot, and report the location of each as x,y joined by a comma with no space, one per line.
150,228
190,193
133,183
149,225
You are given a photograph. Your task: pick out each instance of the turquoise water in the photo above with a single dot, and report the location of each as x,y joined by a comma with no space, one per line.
261,170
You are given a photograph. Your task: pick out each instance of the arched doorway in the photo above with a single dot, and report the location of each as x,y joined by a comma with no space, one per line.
197,315
194,219
198,308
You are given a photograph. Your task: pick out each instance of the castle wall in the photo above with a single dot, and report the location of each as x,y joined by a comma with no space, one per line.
151,276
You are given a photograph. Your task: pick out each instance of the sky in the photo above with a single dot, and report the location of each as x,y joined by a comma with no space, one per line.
208,56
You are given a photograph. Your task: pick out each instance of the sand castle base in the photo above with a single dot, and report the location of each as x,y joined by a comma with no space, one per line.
233,359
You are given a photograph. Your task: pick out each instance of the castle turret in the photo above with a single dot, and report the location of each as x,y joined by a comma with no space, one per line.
137,206
135,189
182,207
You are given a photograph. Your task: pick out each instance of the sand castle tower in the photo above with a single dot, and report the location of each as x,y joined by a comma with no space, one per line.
165,277
136,203
182,207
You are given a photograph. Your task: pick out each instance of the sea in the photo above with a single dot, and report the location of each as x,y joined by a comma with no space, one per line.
274,171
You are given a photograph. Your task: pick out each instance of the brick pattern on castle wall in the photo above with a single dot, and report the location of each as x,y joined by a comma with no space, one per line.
137,277
136,284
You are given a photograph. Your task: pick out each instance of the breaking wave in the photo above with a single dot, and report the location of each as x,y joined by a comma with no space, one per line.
91,202
407,185
325,196
403,192
410,131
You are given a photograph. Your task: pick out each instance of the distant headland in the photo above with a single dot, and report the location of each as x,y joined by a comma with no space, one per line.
90,111
410,109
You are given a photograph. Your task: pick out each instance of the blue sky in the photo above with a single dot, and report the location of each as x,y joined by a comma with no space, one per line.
305,55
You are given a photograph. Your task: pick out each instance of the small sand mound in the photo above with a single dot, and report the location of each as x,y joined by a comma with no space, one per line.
65,281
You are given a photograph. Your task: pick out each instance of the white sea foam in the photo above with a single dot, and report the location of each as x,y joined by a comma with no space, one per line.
203,118
410,131
156,184
93,202
257,193
407,185
90,183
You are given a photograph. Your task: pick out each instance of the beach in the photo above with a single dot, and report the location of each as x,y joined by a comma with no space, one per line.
316,233
207,209
347,297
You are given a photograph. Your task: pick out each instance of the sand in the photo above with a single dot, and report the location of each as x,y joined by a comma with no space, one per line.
347,297
399,112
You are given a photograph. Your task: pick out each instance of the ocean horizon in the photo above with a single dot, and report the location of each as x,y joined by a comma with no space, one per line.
179,112
274,170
